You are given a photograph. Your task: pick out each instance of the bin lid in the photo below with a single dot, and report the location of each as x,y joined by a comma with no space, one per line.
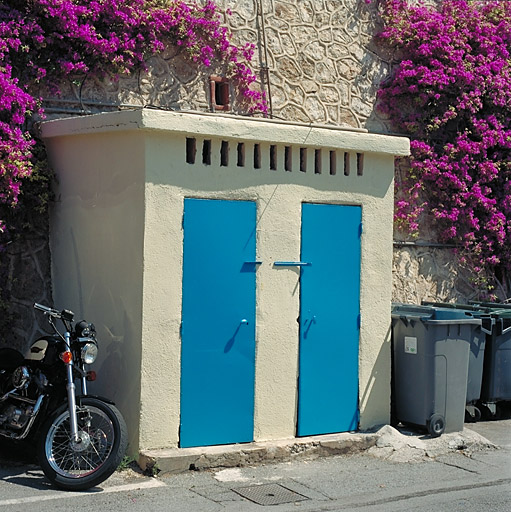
434,313
453,305
501,313
495,309
490,305
486,315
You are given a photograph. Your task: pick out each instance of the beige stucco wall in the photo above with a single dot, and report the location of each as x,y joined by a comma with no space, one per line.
324,66
96,231
117,251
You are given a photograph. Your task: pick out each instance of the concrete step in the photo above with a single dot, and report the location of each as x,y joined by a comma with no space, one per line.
178,460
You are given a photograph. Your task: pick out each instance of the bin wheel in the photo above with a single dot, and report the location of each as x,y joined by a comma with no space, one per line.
472,414
436,425
486,413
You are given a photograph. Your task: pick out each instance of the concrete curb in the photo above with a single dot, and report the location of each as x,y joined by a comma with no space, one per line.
389,443
179,460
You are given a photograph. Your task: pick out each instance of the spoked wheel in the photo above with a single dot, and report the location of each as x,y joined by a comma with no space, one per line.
86,462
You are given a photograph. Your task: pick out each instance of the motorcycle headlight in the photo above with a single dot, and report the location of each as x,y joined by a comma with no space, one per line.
89,353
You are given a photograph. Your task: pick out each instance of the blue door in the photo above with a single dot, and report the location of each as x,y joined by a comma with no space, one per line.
218,323
329,319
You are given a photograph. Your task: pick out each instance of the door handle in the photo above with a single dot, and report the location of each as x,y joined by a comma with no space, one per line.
291,264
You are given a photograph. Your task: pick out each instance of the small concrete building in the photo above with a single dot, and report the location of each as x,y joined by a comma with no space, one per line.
238,271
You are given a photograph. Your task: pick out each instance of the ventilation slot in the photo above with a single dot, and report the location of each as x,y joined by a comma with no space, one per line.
191,150
303,159
324,161
241,154
317,161
288,159
333,163
224,154
360,164
206,152
273,158
257,156
346,164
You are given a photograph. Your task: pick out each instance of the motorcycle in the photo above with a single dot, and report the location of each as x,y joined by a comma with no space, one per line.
79,439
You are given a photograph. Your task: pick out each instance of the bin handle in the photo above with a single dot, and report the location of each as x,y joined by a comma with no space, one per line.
490,329
407,320
404,320
506,330
457,321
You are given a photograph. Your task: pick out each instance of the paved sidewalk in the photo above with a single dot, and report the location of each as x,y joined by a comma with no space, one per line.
399,471
401,445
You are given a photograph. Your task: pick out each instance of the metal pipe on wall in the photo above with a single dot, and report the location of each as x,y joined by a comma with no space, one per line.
265,70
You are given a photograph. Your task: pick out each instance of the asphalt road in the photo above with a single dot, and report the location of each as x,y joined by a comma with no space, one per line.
452,482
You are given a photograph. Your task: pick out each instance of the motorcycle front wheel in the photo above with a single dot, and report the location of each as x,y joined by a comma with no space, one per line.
102,442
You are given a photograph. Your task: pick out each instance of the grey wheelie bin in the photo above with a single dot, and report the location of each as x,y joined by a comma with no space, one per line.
431,348
496,385
478,346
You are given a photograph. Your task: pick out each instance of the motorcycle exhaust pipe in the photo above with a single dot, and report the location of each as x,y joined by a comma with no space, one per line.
33,415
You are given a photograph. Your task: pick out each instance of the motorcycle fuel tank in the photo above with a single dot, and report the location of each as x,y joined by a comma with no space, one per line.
43,350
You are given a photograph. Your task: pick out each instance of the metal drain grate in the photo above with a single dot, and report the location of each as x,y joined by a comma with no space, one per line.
269,494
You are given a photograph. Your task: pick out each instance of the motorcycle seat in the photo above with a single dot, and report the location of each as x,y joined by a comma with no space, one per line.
10,358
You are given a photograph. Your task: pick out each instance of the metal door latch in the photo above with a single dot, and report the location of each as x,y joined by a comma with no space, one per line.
291,264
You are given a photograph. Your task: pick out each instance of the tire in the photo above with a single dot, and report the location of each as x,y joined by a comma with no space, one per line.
436,425
104,440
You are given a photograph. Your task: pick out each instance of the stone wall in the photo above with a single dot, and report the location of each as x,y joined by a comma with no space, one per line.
317,63
430,272
24,279
322,63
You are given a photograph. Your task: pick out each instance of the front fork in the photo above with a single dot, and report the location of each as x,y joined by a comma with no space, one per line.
71,395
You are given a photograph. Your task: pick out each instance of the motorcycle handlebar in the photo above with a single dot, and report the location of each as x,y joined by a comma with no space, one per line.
47,310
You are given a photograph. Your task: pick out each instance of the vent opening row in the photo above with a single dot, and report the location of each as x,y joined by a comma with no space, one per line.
247,154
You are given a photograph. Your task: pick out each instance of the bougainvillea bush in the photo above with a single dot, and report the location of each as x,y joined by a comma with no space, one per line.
451,93
47,40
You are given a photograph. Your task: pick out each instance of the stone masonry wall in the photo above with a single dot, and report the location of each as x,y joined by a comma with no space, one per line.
322,63
25,278
316,61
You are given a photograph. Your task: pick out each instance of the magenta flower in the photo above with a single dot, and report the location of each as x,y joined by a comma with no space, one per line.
451,94
49,39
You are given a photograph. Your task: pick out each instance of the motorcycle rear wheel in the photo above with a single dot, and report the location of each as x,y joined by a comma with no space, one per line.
79,466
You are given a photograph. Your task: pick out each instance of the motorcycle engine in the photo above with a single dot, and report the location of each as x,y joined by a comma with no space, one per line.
20,377
17,399
14,418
